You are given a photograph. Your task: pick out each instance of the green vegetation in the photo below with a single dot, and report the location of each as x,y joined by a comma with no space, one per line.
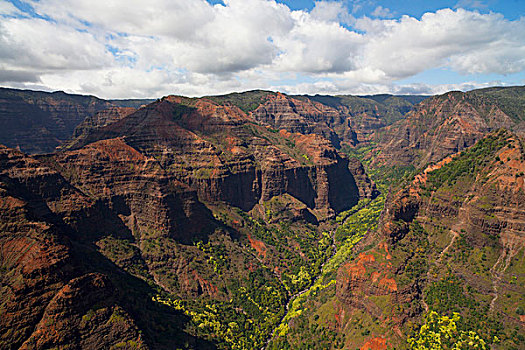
441,332
469,162
511,100
388,108
359,220
181,110
385,176
260,300
125,254
246,101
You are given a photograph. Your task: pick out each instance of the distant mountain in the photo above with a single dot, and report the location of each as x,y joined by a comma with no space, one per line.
38,122
449,123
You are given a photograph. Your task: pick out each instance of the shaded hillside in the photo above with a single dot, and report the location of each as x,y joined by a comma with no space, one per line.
38,122
58,290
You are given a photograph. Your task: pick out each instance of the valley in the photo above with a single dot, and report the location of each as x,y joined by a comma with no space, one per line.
260,220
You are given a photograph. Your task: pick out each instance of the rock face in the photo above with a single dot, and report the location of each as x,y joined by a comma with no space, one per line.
72,313
442,125
340,119
359,117
101,119
135,188
462,219
297,116
38,122
45,292
225,156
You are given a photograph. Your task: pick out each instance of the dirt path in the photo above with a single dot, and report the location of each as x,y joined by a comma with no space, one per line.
505,256
455,235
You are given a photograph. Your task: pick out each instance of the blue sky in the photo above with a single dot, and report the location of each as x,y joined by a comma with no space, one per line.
129,48
511,9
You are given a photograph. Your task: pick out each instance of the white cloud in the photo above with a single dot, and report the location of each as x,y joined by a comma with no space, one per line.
382,12
465,41
331,11
126,48
8,9
317,47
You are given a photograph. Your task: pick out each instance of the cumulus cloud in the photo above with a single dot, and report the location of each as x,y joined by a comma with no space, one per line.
382,12
331,11
126,48
40,44
317,47
18,76
465,41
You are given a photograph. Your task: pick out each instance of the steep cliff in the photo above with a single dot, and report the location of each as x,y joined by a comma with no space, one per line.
99,120
225,156
451,239
447,124
45,291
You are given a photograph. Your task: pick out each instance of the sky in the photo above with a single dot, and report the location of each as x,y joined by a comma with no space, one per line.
149,49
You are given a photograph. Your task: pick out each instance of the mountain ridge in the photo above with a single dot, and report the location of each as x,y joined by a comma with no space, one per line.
192,222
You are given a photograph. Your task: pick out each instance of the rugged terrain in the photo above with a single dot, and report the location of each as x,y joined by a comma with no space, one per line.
256,219
38,122
176,200
449,123
451,237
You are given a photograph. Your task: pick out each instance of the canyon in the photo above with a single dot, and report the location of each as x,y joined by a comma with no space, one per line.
260,219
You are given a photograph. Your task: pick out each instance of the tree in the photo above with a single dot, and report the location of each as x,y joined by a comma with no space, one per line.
441,333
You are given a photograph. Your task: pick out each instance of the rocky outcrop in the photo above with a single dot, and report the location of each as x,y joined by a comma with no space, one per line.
101,119
367,188
44,289
135,189
440,126
83,313
359,117
297,116
341,119
437,226
221,153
